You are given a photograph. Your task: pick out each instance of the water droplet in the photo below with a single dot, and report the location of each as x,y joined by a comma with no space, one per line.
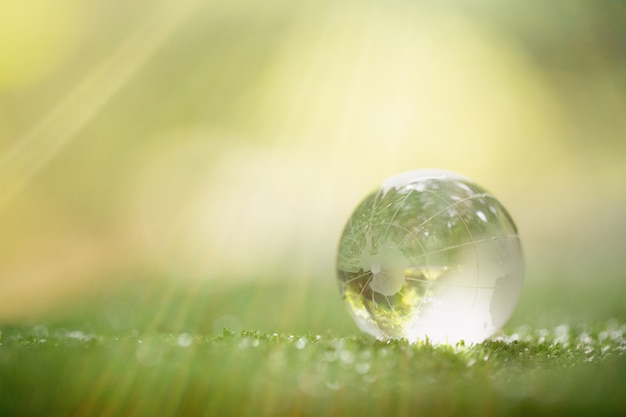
244,343
184,340
333,385
346,357
40,331
362,368
301,343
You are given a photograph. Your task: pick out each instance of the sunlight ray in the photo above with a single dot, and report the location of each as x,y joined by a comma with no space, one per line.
60,126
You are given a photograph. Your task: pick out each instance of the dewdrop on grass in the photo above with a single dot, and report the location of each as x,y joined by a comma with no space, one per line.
430,255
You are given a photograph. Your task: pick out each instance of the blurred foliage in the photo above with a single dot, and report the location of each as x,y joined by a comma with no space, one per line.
223,142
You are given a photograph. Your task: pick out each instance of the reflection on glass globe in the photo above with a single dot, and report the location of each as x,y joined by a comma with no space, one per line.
430,255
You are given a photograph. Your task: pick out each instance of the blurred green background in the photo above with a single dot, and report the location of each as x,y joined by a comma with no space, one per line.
189,165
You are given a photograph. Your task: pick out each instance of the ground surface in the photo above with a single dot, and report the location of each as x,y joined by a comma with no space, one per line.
166,354
563,371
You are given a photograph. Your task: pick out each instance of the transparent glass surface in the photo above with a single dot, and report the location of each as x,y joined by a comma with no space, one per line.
430,255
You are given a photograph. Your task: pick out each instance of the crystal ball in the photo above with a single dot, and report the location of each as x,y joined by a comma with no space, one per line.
432,256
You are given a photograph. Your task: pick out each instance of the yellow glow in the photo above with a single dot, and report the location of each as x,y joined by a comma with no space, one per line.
395,89
35,37
234,138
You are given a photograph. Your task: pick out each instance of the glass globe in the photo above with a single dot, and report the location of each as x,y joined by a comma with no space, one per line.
430,255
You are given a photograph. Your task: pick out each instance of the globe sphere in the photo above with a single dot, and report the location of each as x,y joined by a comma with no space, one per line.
432,256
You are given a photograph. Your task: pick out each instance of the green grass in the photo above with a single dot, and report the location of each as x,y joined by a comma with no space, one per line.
160,350
56,371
